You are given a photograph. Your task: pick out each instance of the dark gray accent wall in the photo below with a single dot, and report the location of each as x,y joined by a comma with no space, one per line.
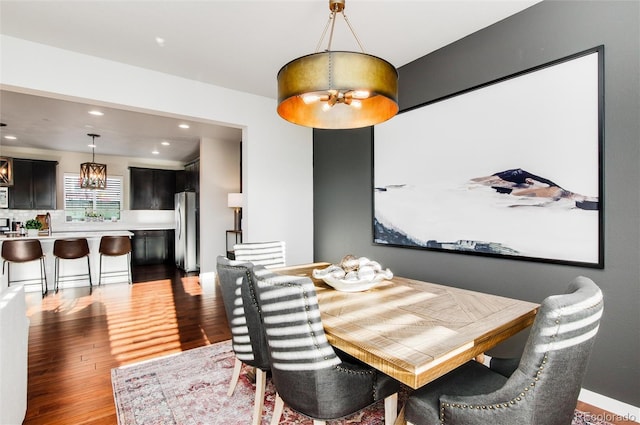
545,32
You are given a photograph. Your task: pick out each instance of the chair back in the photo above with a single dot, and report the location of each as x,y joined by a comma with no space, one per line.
243,316
267,254
557,352
71,248
22,250
115,245
302,360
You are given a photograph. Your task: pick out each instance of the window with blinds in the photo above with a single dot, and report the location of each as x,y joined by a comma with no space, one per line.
89,204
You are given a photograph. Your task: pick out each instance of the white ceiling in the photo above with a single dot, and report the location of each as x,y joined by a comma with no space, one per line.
236,44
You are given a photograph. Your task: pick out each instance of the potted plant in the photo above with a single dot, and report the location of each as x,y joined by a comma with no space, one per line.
33,227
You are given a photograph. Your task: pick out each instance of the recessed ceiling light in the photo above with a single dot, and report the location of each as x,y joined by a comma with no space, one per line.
96,113
184,126
9,137
165,143
155,152
160,41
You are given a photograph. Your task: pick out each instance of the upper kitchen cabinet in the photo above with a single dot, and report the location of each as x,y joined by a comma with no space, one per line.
151,189
188,180
192,176
34,185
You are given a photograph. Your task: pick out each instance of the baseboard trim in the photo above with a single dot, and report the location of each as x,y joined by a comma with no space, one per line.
622,411
207,278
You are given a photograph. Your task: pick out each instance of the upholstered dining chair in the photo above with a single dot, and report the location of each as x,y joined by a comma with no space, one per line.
267,254
306,372
248,342
541,388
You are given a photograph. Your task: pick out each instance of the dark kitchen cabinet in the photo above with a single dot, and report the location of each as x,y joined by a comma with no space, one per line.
180,180
192,177
151,247
151,189
188,180
34,184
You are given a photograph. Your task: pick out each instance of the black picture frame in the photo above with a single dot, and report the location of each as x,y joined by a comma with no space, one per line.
510,169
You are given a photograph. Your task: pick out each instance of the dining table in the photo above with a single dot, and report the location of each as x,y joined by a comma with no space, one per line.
415,331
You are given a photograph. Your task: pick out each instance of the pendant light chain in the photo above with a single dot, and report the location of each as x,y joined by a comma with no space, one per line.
324,33
93,147
333,25
332,21
353,32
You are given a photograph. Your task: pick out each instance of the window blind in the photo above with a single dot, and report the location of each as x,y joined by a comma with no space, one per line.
92,204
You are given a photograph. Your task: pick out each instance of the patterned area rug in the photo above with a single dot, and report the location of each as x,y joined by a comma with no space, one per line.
190,388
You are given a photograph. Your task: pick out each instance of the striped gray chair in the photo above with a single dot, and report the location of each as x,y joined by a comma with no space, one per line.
267,254
307,373
540,388
244,320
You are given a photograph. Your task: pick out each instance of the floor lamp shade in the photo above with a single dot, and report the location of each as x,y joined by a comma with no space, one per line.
234,200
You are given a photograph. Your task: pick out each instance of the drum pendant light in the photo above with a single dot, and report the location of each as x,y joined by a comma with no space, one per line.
337,89
92,174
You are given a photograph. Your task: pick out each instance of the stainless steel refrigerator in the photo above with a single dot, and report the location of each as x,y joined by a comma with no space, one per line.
186,249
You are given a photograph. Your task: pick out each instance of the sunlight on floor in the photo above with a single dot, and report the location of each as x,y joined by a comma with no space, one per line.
155,329
191,285
139,321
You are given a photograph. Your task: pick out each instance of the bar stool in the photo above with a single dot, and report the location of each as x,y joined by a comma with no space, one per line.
70,249
114,246
22,251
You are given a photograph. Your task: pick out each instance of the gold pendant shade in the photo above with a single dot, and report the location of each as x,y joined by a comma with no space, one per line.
337,89
336,78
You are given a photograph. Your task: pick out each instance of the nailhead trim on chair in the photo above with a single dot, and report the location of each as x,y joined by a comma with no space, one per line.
508,404
443,406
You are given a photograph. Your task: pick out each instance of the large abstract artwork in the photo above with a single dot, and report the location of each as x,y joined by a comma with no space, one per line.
509,169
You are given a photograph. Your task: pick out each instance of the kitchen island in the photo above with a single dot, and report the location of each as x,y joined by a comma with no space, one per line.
29,273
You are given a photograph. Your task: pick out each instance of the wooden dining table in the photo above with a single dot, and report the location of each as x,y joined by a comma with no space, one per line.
415,331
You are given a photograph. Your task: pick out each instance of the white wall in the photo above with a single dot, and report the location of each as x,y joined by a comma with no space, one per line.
219,175
14,334
277,156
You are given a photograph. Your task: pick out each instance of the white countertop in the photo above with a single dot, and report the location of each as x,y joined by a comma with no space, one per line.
108,226
78,234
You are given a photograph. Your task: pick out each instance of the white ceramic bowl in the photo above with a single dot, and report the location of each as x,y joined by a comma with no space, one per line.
353,285
365,277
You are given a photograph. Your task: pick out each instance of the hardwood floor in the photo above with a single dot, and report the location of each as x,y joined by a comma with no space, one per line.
77,336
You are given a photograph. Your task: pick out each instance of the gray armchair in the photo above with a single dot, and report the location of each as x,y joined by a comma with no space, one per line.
247,340
541,389
307,373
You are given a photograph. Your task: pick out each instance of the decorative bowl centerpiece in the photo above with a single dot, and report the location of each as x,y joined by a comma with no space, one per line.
353,274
